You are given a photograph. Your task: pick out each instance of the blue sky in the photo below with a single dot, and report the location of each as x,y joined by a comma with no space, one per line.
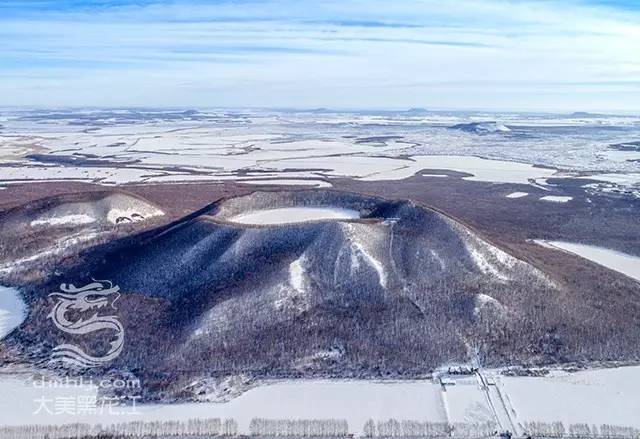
474,54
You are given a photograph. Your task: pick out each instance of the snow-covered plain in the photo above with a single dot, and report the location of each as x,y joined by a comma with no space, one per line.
114,147
287,215
597,396
12,310
603,396
355,401
466,402
626,264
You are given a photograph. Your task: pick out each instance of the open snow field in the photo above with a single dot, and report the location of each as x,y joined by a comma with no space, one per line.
356,401
465,401
12,310
624,263
601,396
287,215
115,147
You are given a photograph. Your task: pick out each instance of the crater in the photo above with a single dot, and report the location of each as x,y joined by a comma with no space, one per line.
294,207
288,215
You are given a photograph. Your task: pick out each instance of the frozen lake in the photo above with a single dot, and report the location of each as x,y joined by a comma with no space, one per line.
287,215
12,310
624,263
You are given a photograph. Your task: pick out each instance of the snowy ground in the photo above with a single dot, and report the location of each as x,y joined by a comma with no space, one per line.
486,396
605,396
355,401
615,260
12,310
287,215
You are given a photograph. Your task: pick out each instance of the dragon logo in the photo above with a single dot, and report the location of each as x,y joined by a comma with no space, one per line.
77,312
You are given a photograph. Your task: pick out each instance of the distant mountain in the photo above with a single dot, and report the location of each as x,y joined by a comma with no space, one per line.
482,127
417,110
320,110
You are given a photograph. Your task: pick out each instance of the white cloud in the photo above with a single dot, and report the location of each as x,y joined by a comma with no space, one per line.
352,53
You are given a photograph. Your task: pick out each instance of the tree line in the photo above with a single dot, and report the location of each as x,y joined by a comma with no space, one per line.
393,428
310,428
299,427
133,429
558,430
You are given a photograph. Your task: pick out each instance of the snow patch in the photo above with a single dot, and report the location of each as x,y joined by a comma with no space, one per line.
67,220
328,354
333,354
215,319
296,273
483,300
59,248
517,195
219,390
624,263
373,262
503,257
13,310
295,296
490,259
556,199
364,242
116,216
627,179
483,264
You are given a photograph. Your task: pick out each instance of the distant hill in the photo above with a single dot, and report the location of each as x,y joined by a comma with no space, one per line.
482,127
417,110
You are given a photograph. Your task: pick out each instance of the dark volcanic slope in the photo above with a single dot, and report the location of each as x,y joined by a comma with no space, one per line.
37,235
397,292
